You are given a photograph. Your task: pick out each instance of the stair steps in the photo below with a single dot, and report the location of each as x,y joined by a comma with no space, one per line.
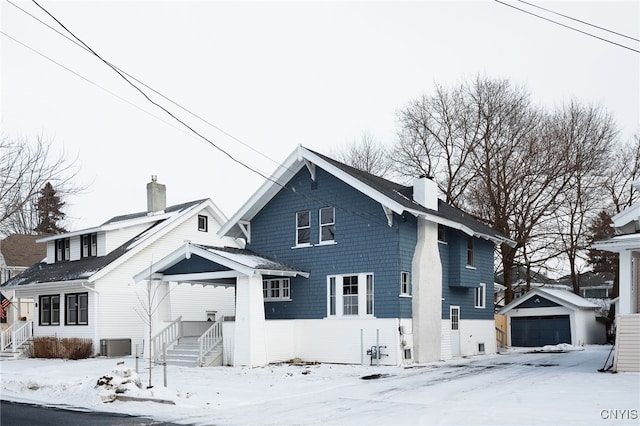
186,351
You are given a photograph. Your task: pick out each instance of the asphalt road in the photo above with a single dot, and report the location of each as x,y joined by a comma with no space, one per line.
16,414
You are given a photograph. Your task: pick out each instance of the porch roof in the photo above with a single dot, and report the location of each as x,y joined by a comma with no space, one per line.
203,264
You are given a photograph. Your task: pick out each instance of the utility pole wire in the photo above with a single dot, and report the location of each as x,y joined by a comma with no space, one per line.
578,20
151,100
567,26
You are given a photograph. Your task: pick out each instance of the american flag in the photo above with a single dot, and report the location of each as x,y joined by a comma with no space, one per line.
4,302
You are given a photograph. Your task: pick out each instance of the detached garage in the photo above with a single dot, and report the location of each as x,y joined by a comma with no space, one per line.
550,317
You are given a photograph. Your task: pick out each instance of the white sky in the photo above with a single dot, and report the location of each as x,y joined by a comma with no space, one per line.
276,75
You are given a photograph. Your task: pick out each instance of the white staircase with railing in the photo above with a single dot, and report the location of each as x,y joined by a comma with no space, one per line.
204,350
13,339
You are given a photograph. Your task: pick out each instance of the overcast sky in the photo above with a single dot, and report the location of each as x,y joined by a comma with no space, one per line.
275,75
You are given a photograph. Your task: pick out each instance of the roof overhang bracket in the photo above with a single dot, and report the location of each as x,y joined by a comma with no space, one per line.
389,213
312,169
245,227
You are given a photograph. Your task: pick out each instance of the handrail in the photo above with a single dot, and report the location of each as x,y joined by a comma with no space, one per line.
165,338
22,334
5,338
16,335
209,339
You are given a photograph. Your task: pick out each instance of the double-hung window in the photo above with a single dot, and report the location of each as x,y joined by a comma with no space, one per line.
303,228
470,251
50,310
327,224
63,249
350,295
89,245
480,295
276,289
77,309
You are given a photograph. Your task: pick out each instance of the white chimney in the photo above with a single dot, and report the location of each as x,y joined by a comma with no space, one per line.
425,192
156,196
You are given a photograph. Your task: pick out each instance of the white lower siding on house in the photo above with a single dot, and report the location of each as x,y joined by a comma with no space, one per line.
627,356
471,333
344,341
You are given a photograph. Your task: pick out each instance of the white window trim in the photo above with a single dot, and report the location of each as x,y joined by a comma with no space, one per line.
408,282
457,323
321,225
482,288
281,288
205,220
362,296
298,228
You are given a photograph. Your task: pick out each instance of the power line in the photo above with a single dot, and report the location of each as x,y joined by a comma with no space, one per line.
567,26
144,94
578,20
365,215
224,132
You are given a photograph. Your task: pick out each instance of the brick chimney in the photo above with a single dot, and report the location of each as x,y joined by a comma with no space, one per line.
156,196
425,192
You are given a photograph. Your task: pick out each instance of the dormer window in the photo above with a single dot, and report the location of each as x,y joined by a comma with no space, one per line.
89,245
203,223
63,249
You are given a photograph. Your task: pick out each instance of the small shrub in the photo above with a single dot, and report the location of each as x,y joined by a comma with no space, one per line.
66,348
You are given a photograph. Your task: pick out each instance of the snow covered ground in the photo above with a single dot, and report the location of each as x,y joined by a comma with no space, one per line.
514,388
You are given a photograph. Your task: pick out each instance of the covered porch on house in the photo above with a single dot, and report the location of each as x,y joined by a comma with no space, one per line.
242,337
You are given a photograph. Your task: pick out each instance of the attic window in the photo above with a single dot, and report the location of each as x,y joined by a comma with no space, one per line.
63,250
203,223
89,245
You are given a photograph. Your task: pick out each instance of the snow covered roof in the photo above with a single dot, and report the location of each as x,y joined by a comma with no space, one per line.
92,268
561,297
203,263
393,196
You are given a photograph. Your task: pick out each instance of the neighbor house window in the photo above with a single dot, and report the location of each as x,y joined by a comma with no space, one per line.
442,235
480,296
50,310
469,251
63,251
405,288
327,224
350,295
203,223
276,289
303,228
77,309
89,245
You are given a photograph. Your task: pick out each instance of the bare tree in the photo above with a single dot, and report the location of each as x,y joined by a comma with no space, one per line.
623,171
368,155
589,133
25,167
510,163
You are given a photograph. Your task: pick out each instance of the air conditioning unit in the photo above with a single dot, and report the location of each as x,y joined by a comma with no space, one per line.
115,347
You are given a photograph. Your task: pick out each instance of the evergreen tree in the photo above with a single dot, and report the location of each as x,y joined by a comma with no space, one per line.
49,211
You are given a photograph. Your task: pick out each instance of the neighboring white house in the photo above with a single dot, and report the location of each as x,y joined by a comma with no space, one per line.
550,317
626,243
85,288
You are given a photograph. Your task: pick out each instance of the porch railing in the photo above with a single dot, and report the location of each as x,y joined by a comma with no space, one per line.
165,338
16,335
209,339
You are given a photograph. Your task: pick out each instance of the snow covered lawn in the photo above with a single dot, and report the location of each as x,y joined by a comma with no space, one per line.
513,388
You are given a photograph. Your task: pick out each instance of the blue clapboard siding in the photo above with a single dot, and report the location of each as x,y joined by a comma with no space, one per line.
460,281
364,243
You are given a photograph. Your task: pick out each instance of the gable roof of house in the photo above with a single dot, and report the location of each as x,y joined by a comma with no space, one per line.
22,250
561,297
92,268
393,196
193,263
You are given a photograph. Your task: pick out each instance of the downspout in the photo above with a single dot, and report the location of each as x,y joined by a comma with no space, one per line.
95,317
